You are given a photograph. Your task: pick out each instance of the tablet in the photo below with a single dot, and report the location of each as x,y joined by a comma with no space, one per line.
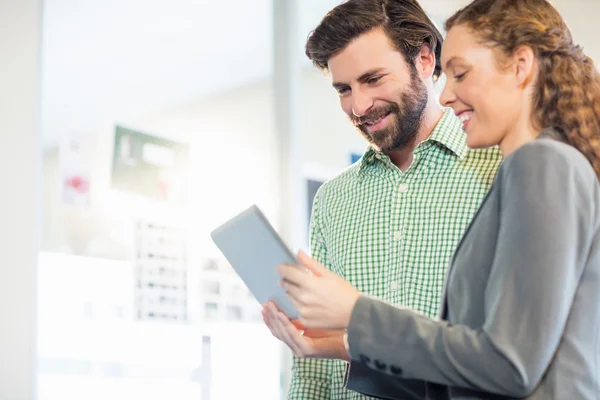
254,250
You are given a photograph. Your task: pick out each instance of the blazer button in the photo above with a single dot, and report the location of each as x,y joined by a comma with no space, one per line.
380,366
396,370
365,359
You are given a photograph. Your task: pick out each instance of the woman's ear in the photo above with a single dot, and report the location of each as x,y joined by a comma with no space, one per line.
524,65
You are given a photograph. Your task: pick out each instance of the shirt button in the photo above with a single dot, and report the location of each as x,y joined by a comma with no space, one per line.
398,236
403,188
394,285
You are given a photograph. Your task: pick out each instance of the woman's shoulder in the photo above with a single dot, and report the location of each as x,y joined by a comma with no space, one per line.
550,157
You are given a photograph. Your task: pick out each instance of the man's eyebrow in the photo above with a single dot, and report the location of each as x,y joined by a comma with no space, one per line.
339,85
369,74
363,78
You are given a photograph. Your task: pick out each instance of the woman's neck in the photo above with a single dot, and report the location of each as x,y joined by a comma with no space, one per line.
521,134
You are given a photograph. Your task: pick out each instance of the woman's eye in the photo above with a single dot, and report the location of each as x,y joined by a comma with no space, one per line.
460,77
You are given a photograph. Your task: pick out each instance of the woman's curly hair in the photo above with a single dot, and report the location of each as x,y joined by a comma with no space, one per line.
567,92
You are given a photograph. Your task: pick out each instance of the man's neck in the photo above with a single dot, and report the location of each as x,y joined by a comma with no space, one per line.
402,158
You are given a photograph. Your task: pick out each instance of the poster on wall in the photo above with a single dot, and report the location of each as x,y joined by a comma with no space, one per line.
149,166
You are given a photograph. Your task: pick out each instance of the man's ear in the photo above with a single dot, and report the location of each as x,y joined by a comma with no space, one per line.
425,62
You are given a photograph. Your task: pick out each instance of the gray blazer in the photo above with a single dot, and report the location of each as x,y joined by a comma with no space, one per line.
520,315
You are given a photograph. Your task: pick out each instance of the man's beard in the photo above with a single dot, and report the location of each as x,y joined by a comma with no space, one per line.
406,118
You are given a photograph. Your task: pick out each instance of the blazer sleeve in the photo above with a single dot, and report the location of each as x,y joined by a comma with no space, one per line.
547,204
360,378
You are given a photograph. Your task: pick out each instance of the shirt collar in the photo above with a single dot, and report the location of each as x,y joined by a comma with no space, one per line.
448,133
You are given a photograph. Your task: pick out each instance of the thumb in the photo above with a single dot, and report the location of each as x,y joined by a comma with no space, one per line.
313,266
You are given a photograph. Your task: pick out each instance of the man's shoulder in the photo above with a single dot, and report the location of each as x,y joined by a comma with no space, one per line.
346,179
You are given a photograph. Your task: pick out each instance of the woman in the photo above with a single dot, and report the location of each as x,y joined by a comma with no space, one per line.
520,315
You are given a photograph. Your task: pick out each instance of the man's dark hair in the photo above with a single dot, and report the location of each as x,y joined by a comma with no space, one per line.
404,21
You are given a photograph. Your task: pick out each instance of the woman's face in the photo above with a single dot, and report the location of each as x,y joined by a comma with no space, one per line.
487,96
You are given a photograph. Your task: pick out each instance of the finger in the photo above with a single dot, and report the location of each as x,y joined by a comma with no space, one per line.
295,293
298,338
269,323
270,318
273,314
293,336
300,322
270,308
293,274
281,322
276,328
313,266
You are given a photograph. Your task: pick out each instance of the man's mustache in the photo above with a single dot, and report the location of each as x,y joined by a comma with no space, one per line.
374,114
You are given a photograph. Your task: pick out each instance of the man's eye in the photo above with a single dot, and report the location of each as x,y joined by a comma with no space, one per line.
373,80
342,91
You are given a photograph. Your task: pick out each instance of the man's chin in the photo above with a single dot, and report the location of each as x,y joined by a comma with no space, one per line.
393,144
382,143
378,140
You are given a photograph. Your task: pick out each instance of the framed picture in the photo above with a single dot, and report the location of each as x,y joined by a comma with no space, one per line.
149,166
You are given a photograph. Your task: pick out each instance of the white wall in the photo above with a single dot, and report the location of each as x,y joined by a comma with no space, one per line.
20,177
127,57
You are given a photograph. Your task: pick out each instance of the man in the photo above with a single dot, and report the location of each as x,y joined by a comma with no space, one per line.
389,223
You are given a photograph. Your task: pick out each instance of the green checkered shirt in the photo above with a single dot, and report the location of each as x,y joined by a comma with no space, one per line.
392,233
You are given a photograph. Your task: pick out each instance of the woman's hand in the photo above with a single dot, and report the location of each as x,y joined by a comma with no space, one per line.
323,299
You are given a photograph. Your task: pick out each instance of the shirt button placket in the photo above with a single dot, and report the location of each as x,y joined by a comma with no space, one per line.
397,285
395,237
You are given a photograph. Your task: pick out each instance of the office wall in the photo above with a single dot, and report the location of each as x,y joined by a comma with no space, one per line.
20,177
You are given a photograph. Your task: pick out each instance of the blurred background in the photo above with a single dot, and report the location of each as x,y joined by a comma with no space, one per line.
131,129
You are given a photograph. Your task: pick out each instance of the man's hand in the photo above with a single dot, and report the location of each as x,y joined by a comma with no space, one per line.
304,343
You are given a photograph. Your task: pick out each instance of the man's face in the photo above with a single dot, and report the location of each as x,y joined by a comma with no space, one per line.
379,91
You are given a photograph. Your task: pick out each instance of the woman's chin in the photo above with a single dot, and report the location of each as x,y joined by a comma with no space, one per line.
475,141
